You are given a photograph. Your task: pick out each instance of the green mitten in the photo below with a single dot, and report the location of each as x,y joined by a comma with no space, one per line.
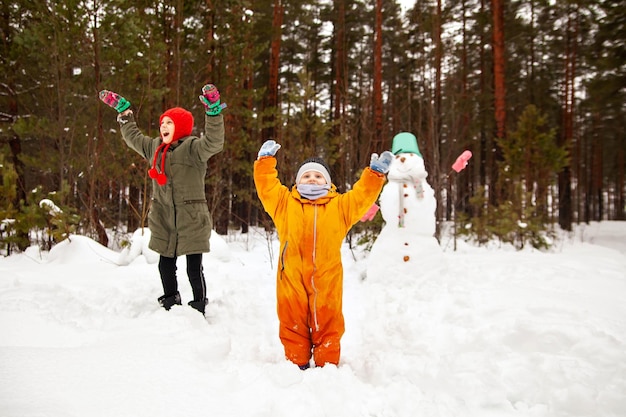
210,99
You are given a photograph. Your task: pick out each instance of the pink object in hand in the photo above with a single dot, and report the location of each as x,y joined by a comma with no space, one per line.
370,213
211,93
109,97
461,161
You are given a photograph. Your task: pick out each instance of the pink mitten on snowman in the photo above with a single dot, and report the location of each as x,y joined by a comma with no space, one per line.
370,213
461,161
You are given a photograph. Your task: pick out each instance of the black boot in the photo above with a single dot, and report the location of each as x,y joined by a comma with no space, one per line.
199,305
168,301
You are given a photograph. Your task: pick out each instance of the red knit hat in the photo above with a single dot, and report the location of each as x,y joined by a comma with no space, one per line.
183,121
183,125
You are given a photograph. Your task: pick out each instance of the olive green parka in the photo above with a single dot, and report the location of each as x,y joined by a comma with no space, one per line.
179,219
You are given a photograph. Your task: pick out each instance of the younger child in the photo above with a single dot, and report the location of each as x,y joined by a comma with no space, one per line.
179,218
312,220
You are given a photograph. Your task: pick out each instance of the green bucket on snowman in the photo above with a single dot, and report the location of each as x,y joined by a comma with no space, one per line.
405,142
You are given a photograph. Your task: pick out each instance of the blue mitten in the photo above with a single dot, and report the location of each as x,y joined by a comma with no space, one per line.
114,100
210,99
269,148
381,163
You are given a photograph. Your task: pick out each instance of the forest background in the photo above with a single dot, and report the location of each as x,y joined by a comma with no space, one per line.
534,88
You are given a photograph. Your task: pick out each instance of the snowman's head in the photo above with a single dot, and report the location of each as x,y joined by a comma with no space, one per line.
407,167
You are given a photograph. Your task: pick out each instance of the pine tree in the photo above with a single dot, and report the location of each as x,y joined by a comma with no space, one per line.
531,159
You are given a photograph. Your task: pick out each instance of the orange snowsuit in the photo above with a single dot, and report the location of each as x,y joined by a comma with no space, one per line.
309,284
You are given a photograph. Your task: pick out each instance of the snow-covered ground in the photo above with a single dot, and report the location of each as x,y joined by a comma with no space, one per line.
486,332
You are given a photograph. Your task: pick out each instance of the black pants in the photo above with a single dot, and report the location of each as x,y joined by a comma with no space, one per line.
167,268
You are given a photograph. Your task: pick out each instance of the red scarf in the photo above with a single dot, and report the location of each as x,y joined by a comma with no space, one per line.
183,125
160,177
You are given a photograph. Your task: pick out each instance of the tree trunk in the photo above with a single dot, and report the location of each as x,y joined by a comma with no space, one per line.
15,144
620,204
566,138
437,131
595,192
271,102
340,91
484,143
133,214
464,185
377,96
94,185
210,39
172,33
499,87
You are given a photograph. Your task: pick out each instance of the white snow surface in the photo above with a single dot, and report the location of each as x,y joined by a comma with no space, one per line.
487,331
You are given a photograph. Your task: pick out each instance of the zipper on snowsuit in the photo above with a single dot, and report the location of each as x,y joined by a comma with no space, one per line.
317,327
282,260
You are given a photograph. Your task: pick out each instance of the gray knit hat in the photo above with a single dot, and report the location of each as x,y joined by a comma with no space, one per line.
314,164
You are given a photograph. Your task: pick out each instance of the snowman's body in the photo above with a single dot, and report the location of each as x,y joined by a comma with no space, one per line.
407,200
406,242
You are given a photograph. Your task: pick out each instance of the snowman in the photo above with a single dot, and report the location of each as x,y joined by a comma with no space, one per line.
406,244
